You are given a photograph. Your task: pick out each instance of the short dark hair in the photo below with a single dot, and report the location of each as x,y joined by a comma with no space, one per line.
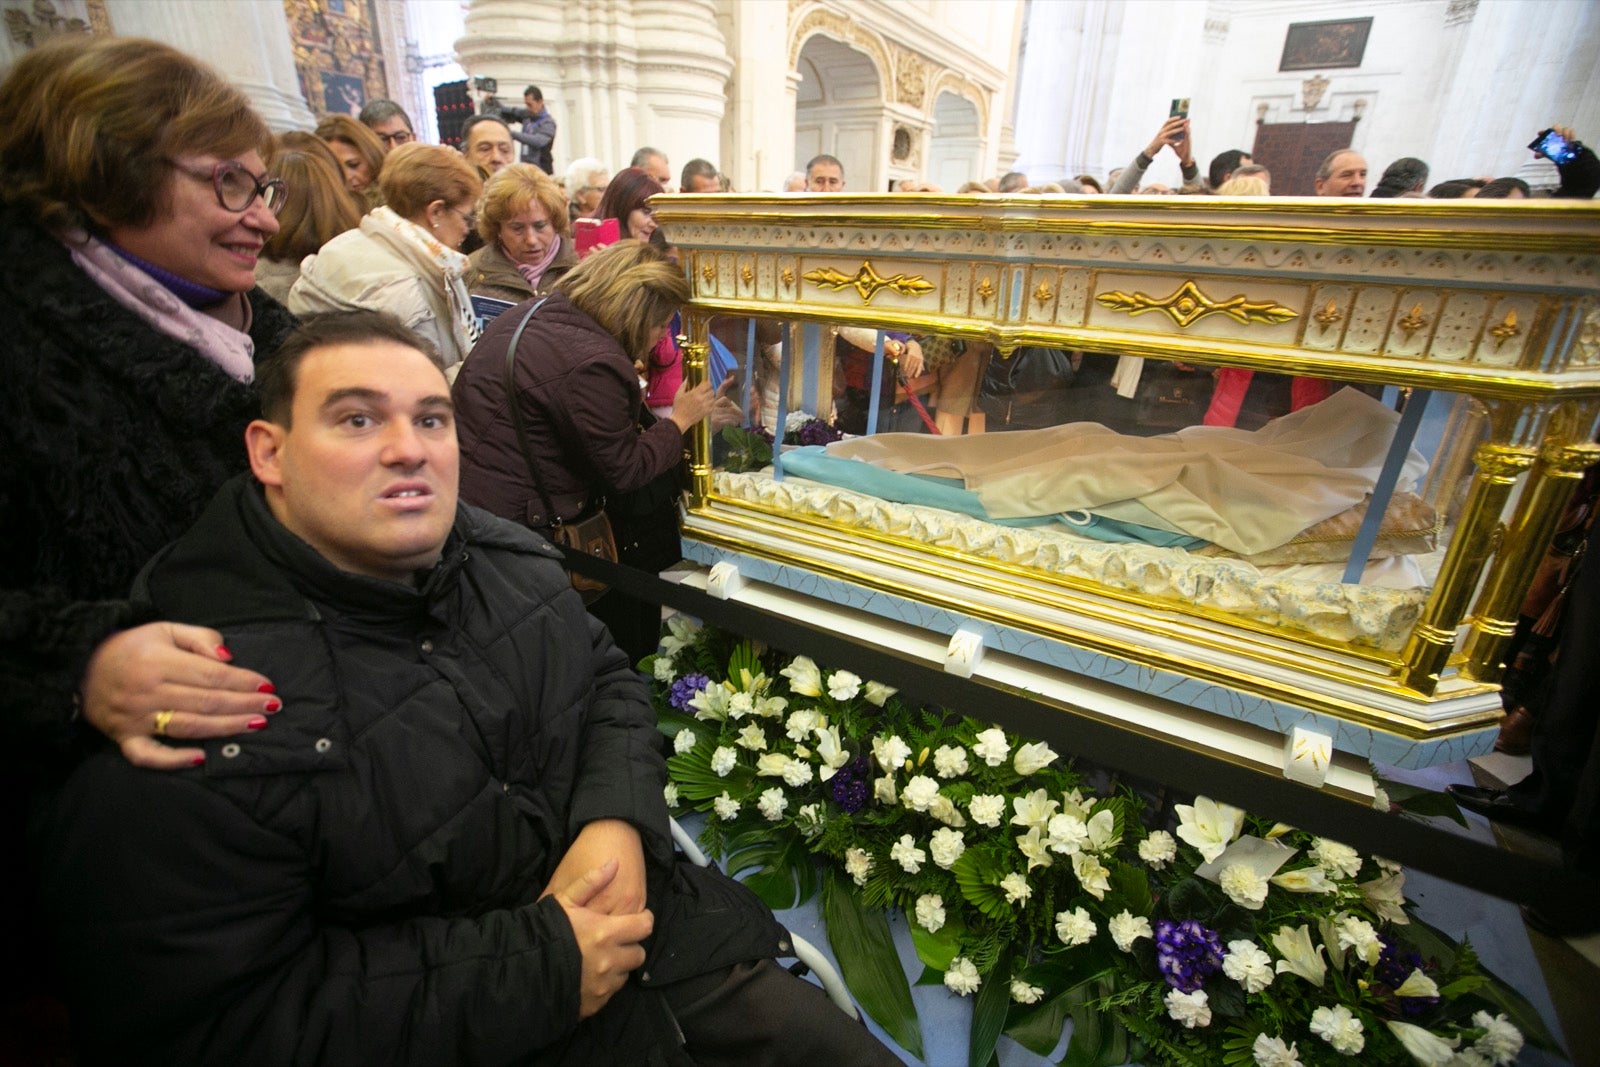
1401,176
1455,188
278,375
1013,182
380,110
824,159
533,91
1224,164
644,155
1501,188
478,120
697,168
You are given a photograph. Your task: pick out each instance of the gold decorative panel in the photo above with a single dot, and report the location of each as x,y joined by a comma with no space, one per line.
336,54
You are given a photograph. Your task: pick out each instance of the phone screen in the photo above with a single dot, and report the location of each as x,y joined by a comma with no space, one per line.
1180,108
1554,147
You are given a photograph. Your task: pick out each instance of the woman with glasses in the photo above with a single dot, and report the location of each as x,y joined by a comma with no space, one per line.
525,230
134,205
403,258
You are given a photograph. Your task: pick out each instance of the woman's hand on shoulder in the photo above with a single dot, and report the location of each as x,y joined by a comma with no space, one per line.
166,679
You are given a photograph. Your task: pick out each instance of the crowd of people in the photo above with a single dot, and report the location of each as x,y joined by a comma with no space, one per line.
322,756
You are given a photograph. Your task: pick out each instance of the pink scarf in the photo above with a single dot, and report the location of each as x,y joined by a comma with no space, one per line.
532,272
230,349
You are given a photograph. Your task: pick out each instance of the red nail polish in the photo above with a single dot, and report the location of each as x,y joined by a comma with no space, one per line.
257,723
223,653
198,760
266,687
273,705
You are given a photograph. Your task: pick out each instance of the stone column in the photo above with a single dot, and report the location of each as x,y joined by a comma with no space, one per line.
247,41
683,78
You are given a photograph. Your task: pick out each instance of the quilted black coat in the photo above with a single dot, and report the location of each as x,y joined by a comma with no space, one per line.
357,882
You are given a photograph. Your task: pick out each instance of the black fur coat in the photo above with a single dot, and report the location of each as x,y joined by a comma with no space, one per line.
113,437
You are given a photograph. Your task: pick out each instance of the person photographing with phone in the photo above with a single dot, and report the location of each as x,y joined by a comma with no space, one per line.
1575,161
1174,134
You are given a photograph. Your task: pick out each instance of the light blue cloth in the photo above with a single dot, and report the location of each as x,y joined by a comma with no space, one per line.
925,490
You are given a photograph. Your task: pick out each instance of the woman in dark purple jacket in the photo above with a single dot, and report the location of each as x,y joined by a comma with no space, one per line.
577,380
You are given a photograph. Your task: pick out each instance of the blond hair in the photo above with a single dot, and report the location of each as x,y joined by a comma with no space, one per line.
512,191
88,126
629,289
416,174
1249,185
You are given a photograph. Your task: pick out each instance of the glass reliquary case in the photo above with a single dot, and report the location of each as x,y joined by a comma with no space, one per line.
1292,463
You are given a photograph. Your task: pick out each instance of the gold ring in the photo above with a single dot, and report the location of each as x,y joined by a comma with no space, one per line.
162,719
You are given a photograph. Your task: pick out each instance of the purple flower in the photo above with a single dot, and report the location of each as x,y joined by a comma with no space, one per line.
685,688
851,787
1393,968
1187,954
817,432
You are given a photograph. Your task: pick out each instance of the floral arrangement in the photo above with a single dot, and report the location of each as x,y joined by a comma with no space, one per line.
750,450
1217,938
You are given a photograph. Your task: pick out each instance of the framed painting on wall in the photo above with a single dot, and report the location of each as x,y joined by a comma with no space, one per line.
1322,45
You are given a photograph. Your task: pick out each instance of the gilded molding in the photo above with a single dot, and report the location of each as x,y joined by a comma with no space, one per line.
1415,320
1187,305
1329,315
868,282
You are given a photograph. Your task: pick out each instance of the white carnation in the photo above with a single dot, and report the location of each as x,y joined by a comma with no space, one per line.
950,761
670,792
1075,927
1339,1027
890,752
930,912
1340,861
986,809
1248,964
919,793
772,804
962,977
801,723
684,741
1244,885
1067,834
1190,1009
842,685
797,773
1023,993
857,864
1159,849
723,761
725,806
1272,1052
1126,928
1501,1041
946,845
906,853
663,670
1016,888
992,746
740,705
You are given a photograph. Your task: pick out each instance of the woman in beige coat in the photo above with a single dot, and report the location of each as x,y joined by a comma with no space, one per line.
403,259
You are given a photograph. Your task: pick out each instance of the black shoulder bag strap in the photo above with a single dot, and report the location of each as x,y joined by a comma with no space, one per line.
515,406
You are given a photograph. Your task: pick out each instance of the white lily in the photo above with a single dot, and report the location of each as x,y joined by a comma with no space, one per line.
878,694
1425,1046
1417,984
804,676
1386,897
1209,826
1032,758
1033,809
1300,956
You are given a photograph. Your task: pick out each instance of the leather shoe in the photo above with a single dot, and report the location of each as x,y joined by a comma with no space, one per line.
1516,732
1500,805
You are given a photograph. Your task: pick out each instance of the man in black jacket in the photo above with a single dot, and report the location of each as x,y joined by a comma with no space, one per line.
451,845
